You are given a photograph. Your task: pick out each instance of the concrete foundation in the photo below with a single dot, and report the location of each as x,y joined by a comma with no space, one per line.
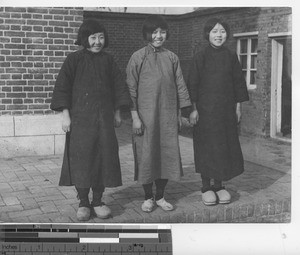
31,135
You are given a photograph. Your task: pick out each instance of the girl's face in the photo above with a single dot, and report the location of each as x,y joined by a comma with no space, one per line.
159,36
96,42
217,36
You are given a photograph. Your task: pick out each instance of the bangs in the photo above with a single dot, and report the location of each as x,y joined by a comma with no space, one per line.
87,28
152,23
210,24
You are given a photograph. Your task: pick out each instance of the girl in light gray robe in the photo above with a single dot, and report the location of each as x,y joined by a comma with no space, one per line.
158,92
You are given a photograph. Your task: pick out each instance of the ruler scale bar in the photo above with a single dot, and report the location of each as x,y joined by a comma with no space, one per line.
79,239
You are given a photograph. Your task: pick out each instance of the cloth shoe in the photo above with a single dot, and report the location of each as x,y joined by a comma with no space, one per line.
163,204
83,213
209,198
224,196
102,211
148,205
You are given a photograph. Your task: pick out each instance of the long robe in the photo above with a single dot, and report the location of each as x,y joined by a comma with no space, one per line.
91,87
157,89
216,83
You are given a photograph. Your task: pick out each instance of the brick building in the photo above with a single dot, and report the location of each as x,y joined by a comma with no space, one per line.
35,41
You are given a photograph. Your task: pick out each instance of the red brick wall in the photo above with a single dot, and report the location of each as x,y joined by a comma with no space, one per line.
33,45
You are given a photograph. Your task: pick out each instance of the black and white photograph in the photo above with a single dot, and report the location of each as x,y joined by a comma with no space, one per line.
147,115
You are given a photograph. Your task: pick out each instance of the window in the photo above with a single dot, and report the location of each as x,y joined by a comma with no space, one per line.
247,53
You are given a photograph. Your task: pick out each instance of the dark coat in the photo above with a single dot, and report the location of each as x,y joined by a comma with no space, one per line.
91,87
216,83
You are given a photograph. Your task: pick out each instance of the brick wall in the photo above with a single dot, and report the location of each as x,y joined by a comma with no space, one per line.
125,33
256,112
33,44
35,41
187,37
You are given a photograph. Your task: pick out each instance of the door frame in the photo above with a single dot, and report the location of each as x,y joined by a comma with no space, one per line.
276,84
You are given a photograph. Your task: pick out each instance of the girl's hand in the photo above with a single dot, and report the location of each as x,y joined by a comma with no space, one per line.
194,117
238,113
179,120
117,118
179,123
66,121
137,126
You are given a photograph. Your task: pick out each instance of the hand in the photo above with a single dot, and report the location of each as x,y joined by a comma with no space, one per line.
238,113
137,126
66,121
238,116
179,120
194,117
117,119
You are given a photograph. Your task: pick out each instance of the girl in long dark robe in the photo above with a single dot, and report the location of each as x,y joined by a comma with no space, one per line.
217,87
158,91
89,91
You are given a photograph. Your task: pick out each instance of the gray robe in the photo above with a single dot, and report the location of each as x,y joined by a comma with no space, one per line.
157,89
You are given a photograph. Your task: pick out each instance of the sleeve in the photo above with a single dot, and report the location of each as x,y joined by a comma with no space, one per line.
132,79
62,93
239,83
121,93
182,91
194,75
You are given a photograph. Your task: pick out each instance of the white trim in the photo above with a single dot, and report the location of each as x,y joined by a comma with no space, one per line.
246,34
249,45
279,87
252,86
248,54
283,139
281,34
277,50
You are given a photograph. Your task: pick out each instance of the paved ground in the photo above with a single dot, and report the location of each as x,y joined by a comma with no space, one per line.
29,190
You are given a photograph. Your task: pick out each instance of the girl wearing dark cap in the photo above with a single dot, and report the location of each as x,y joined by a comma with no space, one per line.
89,91
217,87
158,92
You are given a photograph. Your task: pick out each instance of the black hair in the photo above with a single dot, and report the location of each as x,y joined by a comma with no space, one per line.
210,24
151,24
87,28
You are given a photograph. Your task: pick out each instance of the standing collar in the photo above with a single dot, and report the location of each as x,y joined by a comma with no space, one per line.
92,53
216,49
150,46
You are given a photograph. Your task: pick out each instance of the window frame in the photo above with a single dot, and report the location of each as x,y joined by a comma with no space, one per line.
249,37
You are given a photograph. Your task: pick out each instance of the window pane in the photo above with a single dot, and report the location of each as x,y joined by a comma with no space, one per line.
244,62
253,77
245,74
253,61
244,46
254,45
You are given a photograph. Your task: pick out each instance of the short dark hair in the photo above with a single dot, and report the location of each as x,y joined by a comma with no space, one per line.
210,24
153,22
87,28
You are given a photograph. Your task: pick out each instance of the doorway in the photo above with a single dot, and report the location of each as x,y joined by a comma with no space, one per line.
281,88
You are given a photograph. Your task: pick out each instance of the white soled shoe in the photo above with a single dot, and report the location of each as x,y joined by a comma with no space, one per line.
163,204
148,205
224,196
102,211
209,198
83,213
